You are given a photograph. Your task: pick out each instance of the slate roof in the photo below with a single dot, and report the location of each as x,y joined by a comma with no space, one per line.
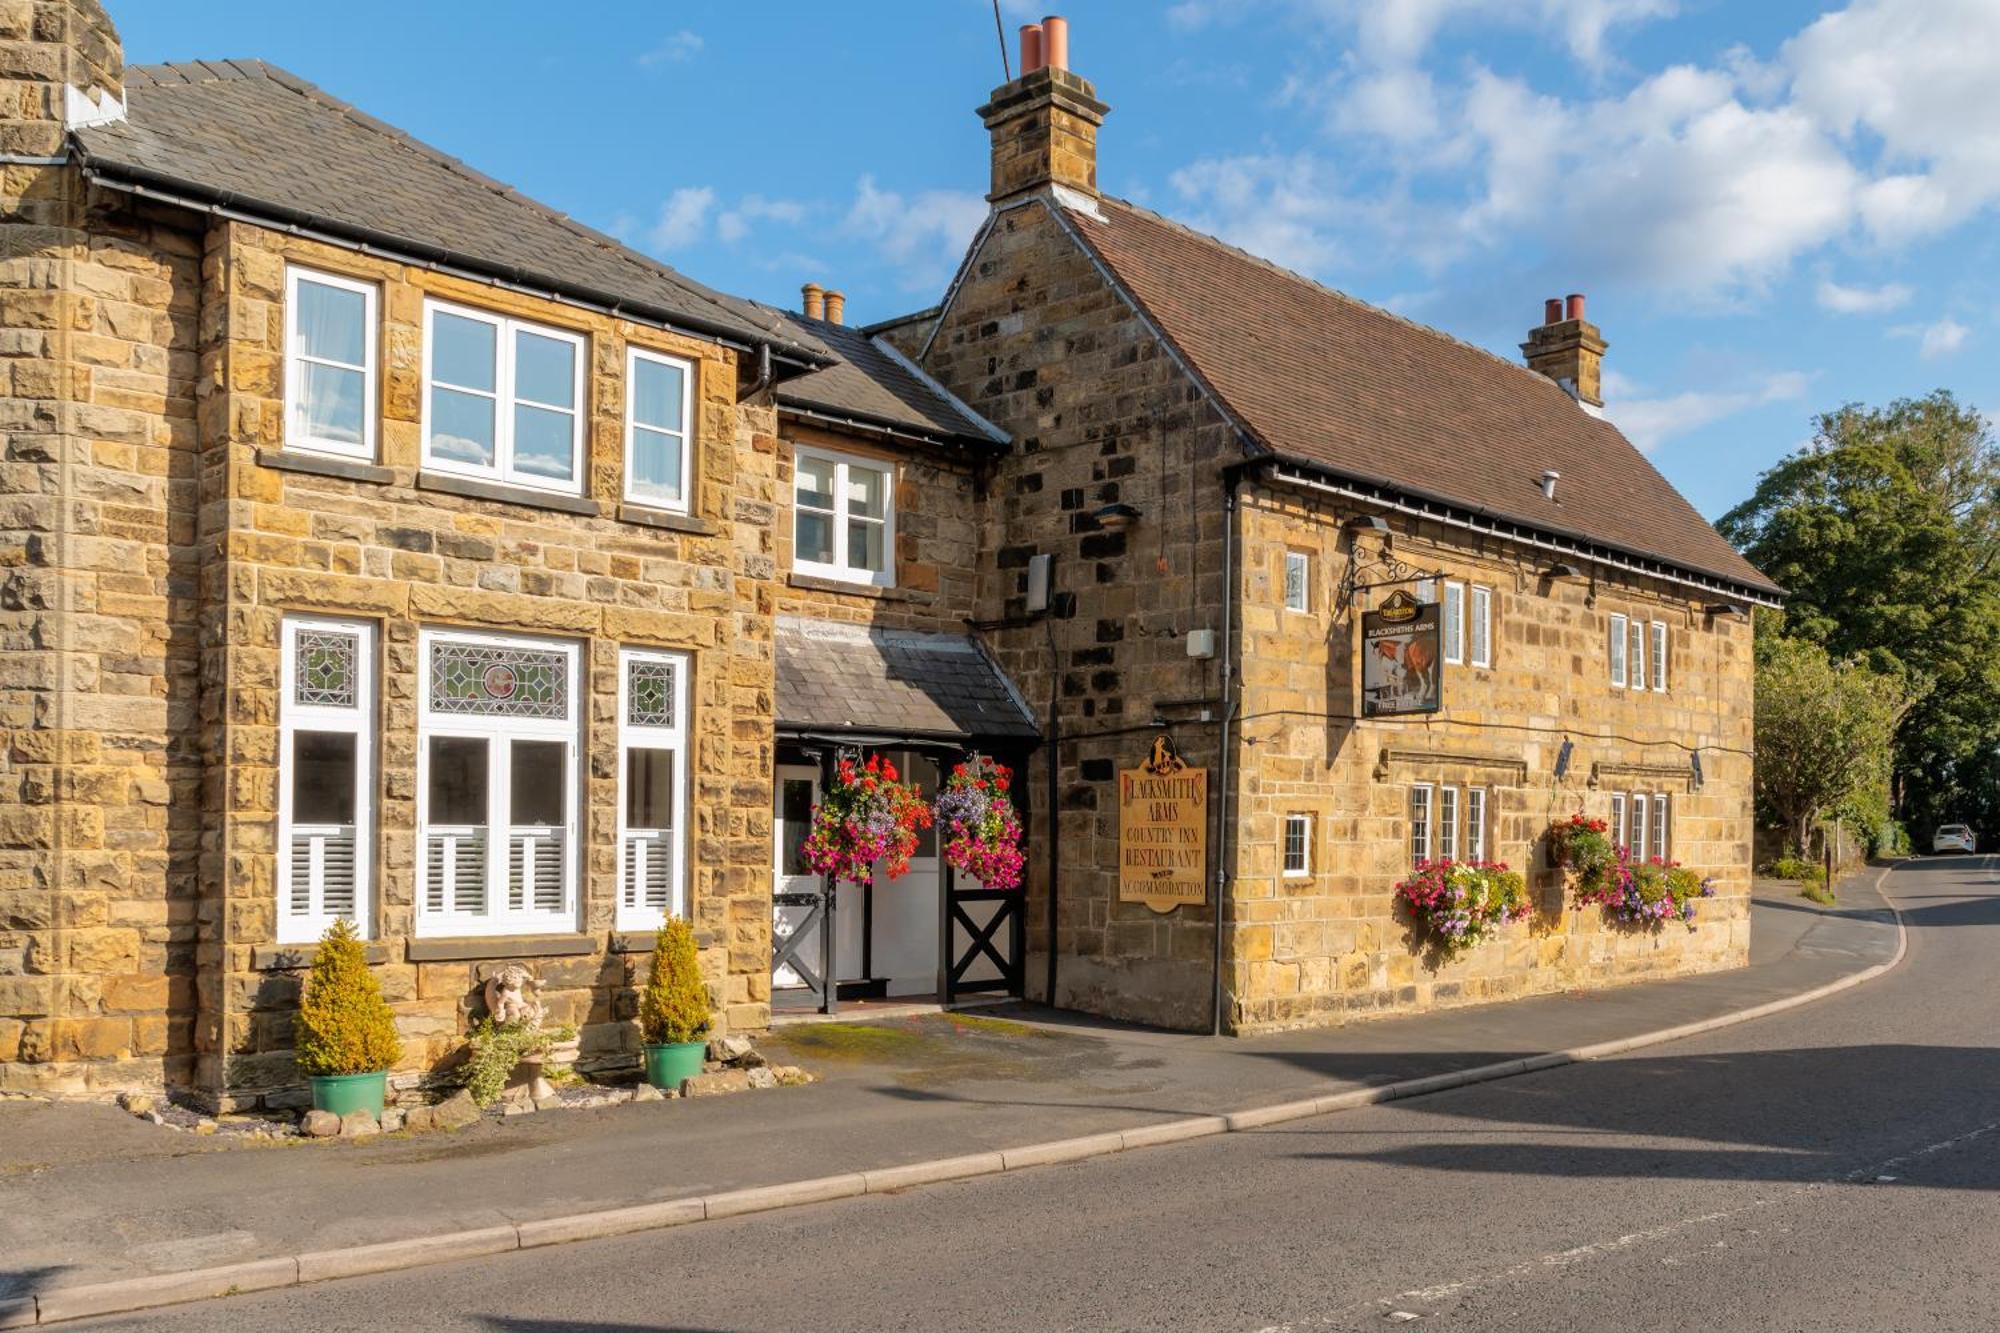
835,679
263,141
1332,382
876,385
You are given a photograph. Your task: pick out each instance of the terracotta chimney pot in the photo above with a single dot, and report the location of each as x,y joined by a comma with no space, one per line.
1574,308
1552,310
1031,48
1055,42
836,307
815,300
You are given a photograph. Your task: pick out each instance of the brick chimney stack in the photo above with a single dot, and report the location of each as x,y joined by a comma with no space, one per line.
1569,349
1044,124
61,67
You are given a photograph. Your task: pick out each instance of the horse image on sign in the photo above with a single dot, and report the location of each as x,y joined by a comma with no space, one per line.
1163,831
1402,663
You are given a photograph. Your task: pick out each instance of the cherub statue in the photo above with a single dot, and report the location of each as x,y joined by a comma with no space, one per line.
514,995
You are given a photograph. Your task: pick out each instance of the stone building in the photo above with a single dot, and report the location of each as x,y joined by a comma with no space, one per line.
378,543
1230,465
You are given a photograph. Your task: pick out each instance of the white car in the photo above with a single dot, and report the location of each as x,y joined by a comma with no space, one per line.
1952,838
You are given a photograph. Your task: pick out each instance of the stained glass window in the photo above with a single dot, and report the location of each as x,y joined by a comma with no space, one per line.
326,667
649,694
498,681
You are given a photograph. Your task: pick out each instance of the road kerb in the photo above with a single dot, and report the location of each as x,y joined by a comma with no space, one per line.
144,1293
66,1303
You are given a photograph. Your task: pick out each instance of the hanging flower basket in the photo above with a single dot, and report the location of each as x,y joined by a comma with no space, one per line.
1459,904
977,824
1648,893
869,817
1584,848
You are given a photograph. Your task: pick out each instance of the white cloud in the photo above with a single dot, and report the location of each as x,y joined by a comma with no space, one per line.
1284,209
1861,300
680,46
1650,421
733,224
1937,340
1398,104
683,218
924,236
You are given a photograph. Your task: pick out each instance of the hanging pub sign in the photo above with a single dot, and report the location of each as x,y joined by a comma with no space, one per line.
1163,831
1402,657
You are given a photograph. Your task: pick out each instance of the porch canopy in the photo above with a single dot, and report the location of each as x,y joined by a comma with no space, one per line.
873,684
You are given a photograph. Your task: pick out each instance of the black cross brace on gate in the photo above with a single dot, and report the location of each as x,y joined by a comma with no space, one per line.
786,951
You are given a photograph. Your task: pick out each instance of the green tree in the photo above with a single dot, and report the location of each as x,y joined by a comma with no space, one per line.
1885,529
674,1006
1824,731
344,1025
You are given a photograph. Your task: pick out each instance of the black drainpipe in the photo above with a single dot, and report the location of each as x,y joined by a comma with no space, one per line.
1053,750
1224,828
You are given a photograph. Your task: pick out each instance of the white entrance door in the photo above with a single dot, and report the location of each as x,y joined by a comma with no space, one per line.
797,794
905,955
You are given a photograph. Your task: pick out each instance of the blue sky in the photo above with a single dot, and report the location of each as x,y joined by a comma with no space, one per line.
1774,207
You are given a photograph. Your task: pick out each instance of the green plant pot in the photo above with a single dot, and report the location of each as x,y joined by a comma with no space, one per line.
667,1065
341,1093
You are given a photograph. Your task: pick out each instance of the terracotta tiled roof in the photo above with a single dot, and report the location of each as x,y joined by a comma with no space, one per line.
265,142
876,385
1335,383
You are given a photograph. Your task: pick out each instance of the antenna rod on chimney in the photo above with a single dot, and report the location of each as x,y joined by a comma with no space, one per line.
1000,32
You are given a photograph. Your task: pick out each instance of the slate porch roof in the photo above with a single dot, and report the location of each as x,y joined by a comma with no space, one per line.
836,679
258,140
876,385
1326,380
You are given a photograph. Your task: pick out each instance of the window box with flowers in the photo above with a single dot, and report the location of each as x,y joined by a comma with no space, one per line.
1648,893
1458,905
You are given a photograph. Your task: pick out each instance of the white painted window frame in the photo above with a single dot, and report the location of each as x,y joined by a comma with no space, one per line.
634,356
1303,823
1635,656
1618,830
499,732
1423,821
296,360
636,915
1453,617
1662,826
839,569
358,721
1302,562
1642,825
1659,647
1447,823
505,400
1618,641
1479,625
1475,824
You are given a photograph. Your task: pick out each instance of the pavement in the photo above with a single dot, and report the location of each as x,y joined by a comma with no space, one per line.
95,1196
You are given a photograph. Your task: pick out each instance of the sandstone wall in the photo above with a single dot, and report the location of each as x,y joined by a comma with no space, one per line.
1315,948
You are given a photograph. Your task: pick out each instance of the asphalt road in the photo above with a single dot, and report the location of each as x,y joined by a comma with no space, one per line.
1834,1167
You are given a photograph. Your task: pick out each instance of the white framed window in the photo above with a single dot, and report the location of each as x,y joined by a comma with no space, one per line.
843,517
1638,655
1298,846
1427,591
1447,824
652,787
1479,625
1618,830
503,399
1298,581
326,775
659,411
1475,823
330,364
1641,826
1453,617
497,784
1420,823
1616,644
1659,656
1662,848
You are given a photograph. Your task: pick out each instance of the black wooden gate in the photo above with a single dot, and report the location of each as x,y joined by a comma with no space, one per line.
983,940
808,949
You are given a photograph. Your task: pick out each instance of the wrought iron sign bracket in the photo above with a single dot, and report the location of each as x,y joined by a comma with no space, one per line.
1399,572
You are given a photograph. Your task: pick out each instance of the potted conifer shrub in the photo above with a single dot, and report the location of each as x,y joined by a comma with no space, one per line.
345,1037
673,1011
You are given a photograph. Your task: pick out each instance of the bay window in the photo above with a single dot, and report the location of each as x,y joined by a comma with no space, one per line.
330,364
658,393
503,399
497,784
326,725
652,777
843,518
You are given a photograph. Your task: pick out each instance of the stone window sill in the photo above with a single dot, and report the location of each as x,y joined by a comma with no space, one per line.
475,948
647,517
473,489
320,465
642,941
298,957
814,583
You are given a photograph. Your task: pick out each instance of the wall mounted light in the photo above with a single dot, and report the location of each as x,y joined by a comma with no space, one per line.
1563,570
1694,763
1116,517
1366,523
1562,758
1732,609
